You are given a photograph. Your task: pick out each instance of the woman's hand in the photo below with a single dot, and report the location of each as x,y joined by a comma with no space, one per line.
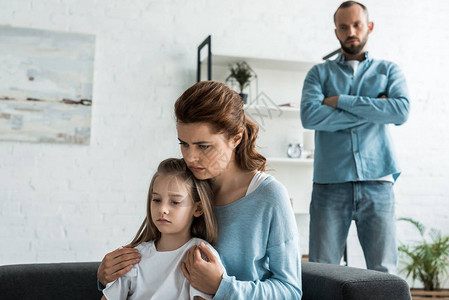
117,263
204,274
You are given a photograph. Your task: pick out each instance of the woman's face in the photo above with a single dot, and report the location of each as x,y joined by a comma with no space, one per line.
207,154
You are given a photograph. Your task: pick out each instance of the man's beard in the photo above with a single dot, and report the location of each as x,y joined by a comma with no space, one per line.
353,50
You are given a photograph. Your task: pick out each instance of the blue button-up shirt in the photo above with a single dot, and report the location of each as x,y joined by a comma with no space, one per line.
352,141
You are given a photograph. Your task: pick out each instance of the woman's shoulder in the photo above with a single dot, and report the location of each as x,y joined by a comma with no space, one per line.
271,186
271,194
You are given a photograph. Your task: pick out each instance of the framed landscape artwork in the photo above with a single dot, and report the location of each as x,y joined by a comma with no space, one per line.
46,80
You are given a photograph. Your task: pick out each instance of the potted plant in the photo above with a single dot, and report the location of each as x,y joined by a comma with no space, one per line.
241,73
426,260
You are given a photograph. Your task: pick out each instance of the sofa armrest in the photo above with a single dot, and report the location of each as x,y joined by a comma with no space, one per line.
50,281
324,281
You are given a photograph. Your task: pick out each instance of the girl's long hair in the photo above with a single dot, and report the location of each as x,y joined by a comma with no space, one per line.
204,226
215,103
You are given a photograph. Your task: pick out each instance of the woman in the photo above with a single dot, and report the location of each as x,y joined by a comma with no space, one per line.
257,234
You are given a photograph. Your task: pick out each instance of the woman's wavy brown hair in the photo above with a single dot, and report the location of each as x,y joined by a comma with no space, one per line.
215,103
204,226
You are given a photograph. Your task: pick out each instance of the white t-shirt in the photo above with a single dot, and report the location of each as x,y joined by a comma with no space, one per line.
158,275
258,178
354,64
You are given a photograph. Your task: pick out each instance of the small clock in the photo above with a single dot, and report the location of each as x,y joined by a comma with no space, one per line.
294,150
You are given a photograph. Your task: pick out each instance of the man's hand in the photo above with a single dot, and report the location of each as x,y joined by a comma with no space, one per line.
331,101
117,263
203,274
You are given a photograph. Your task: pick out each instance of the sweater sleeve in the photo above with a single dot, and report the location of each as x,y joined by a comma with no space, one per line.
392,108
315,115
283,259
285,283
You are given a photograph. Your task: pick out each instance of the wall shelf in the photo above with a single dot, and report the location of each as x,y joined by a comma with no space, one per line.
292,161
262,63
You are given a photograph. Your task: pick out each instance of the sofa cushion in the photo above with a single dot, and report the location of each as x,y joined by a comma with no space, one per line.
49,281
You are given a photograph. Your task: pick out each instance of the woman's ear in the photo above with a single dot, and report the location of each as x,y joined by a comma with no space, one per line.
237,139
198,210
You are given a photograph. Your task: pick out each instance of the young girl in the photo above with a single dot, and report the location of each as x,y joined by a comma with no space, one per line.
179,216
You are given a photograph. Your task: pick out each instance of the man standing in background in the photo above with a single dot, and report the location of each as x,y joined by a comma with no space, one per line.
350,102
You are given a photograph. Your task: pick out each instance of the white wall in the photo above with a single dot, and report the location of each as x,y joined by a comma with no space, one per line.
76,203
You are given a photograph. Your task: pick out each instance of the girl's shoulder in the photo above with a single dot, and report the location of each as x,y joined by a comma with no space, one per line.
147,250
196,241
146,247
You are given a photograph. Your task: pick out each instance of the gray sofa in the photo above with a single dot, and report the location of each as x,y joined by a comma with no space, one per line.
78,281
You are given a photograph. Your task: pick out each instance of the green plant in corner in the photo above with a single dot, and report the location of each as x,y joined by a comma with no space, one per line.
426,260
242,73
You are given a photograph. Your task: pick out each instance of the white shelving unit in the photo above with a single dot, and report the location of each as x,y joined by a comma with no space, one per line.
262,63
277,132
294,161
280,126
278,82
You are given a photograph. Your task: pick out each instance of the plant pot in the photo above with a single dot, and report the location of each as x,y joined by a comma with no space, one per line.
244,97
421,294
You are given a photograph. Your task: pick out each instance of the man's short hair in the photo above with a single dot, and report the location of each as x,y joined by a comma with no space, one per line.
347,4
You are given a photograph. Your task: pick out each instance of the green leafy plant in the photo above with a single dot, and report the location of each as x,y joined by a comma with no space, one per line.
242,73
427,259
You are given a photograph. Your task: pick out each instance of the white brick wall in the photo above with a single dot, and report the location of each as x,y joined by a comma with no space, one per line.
76,203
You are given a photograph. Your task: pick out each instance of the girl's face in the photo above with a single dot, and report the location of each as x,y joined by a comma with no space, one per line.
206,154
172,208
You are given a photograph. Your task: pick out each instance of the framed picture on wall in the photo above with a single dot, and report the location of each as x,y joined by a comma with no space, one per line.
46,80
